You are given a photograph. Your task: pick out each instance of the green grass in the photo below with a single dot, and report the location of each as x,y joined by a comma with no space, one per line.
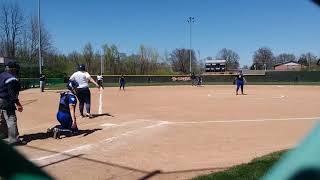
255,169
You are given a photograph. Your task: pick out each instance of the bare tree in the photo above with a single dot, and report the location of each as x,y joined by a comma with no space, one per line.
148,59
180,60
116,59
143,60
263,57
46,42
2,48
285,57
76,58
231,57
111,58
11,24
308,59
88,55
5,27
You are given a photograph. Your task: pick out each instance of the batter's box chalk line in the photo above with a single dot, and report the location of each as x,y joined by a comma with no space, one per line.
88,147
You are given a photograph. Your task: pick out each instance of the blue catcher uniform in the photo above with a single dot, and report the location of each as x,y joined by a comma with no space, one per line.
63,115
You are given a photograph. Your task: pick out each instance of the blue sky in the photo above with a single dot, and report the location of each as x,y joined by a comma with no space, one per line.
290,26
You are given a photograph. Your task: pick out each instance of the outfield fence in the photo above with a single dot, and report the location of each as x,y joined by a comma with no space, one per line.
27,83
268,77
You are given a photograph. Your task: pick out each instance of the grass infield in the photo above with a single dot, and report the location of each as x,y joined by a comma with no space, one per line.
255,169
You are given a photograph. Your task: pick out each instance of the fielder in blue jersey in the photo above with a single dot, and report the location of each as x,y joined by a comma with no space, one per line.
122,82
240,80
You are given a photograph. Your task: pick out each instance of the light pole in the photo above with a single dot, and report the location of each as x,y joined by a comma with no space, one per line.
101,63
39,38
190,20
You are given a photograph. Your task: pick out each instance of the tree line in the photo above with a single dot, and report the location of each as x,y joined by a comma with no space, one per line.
19,40
264,58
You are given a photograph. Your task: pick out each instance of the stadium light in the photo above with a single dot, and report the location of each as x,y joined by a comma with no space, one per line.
39,35
190,20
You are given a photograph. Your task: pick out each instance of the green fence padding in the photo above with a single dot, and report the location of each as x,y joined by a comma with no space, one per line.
27,83
301,163
15,166
291,76
268,77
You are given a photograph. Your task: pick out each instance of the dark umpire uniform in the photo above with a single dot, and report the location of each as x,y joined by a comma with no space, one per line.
9,102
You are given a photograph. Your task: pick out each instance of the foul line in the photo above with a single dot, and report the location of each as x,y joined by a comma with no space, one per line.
63,153
160,123
90,146
241,120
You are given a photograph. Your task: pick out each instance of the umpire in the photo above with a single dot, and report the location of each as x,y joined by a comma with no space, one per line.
9,102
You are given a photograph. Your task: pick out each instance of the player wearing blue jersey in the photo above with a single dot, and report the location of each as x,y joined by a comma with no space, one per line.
66,112
122,82
240,80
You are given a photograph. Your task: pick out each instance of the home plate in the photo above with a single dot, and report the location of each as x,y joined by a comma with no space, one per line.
108,125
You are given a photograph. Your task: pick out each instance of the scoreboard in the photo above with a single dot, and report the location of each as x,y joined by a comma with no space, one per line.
215,65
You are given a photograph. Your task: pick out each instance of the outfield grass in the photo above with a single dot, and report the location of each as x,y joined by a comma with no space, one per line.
255,169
